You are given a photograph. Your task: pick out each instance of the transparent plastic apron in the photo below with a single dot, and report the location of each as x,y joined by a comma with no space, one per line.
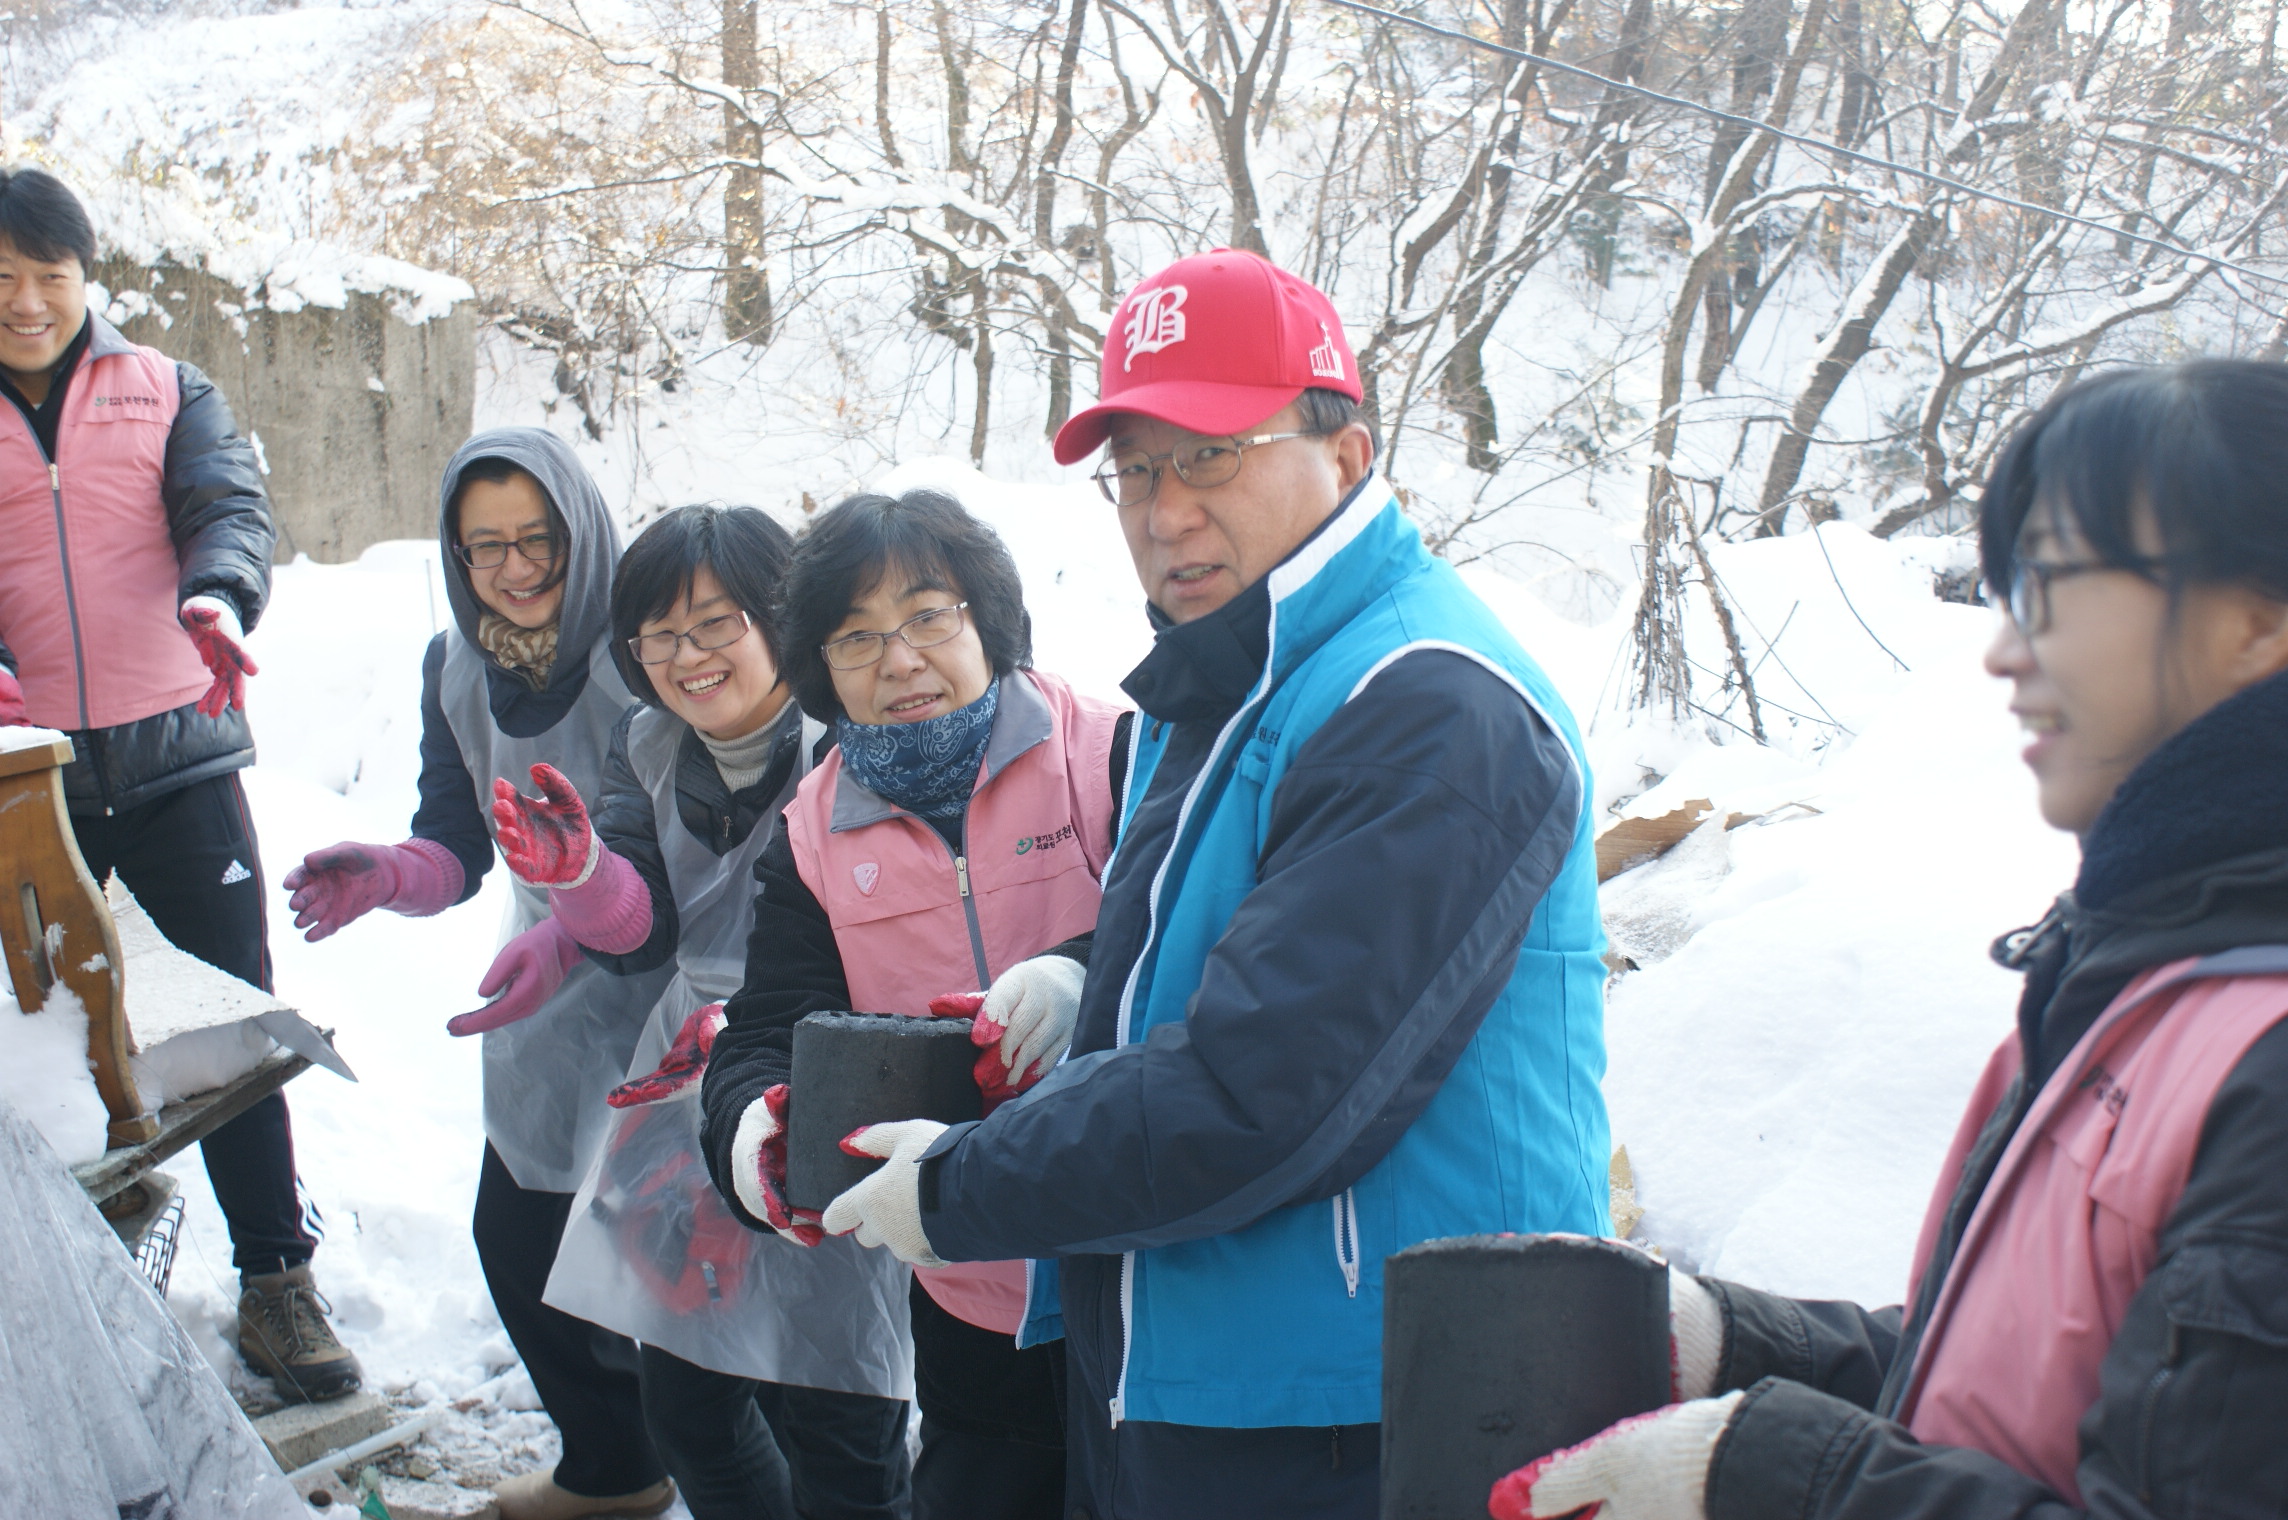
650,1249
546,1076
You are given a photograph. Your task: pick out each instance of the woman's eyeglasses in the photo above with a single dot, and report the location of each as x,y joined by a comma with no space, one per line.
540,548
924,630
714,633
2029,599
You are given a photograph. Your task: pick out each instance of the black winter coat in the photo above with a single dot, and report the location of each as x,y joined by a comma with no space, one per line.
2191,858
218,515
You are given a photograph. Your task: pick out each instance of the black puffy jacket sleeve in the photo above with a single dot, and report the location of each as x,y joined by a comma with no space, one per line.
447,812
794,969
218,512
627,824
1440,786
2190,1398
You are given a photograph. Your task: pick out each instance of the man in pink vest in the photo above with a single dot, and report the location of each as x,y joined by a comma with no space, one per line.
139,542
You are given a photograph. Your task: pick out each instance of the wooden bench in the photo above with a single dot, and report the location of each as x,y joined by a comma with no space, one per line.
58,931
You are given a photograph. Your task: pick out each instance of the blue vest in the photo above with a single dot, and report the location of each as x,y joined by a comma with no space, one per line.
1280,1323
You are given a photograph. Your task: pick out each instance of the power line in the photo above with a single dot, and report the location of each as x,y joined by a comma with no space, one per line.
1813,143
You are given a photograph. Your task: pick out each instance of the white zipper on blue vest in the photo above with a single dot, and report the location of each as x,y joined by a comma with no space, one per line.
1346,1238
1127,1322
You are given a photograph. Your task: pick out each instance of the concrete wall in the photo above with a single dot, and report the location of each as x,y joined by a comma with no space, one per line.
356,411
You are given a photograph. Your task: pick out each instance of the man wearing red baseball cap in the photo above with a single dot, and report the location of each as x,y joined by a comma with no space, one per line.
1345,991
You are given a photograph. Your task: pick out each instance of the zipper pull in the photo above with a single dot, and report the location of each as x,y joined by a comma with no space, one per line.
961,872
1119,1412
55,481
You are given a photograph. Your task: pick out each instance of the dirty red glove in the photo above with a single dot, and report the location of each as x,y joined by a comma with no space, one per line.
212,624
991,1076
546,839
527,970
1650,1467
684,1063
11,701
758,1169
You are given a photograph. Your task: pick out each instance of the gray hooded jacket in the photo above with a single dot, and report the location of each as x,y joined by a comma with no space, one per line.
448,811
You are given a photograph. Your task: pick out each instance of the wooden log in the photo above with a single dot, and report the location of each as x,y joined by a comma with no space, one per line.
56,928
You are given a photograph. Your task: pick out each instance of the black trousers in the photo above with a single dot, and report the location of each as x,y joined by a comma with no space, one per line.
993,1442
586,1376
1148,1470
740,1449
190,859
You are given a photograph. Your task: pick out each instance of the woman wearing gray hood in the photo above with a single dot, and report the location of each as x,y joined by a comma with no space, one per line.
524,678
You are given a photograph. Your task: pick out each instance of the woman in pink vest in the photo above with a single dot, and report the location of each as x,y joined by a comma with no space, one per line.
953,839
2098,1319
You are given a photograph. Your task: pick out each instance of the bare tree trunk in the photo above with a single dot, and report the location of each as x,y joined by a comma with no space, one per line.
1601,232
981,365
746,283
1045,216
882,85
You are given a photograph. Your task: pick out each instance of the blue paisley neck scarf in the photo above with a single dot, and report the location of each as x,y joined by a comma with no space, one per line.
928,768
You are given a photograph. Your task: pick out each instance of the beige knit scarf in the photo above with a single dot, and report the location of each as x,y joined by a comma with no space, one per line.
529,652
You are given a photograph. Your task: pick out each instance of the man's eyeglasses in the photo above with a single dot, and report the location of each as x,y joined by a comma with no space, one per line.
2029,599
924,630
540,548
1128,477
718,632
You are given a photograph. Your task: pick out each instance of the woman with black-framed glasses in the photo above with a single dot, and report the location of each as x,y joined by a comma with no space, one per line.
2094,1322
524,682
950,843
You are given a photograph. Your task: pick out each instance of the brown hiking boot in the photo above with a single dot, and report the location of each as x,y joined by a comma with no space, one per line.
536,1496
283,1334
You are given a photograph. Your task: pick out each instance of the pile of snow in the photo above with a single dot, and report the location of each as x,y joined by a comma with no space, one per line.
1787,1079
44,1073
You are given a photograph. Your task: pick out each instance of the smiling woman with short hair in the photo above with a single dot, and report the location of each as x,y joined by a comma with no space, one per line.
906,870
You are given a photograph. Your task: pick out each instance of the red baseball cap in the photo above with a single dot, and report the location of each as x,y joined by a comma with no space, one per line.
1214,343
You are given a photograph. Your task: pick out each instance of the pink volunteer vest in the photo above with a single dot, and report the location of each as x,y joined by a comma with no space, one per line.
1035,841
88,585
2068,1229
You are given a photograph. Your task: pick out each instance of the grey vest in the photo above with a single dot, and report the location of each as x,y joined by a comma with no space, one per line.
546,1076
650,1250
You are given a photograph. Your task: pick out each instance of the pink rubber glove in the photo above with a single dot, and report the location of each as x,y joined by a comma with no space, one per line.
610,911
526,971
11,701
213,626
545,839
684,1063
340,884
758,1169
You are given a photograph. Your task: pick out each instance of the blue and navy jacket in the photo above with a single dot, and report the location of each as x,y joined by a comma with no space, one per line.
1346,994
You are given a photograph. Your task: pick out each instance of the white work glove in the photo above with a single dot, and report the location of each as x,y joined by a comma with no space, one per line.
1027,1021
886,1208
1695,1336
1652,1467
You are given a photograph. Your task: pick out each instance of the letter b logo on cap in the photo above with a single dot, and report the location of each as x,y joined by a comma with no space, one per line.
1155,321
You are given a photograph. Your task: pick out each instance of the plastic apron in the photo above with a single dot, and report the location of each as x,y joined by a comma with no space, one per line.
546,1076
650,1249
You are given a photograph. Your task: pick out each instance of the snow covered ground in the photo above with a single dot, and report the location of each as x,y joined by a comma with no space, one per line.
1785,1078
